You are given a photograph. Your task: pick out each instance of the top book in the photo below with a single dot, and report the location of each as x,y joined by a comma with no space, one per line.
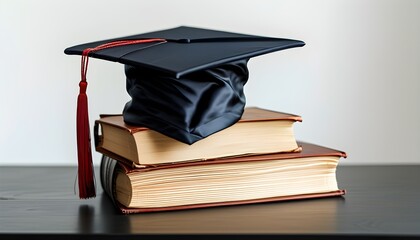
259,131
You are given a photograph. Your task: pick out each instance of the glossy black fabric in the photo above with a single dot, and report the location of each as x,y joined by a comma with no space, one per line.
189,108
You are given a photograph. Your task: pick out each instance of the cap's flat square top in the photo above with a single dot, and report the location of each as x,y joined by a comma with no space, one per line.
187,49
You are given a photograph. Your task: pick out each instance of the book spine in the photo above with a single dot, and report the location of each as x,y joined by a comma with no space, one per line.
96,137
107,176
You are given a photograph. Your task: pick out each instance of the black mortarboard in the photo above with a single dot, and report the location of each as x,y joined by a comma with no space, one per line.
186,83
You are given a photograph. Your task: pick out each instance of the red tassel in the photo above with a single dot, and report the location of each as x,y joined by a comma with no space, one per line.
84,151
87,188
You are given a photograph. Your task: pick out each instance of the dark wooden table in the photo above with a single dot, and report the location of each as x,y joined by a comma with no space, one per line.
382,202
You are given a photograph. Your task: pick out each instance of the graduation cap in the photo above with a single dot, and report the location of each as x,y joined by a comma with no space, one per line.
186,83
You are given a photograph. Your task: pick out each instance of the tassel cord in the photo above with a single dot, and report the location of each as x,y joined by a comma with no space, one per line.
86,177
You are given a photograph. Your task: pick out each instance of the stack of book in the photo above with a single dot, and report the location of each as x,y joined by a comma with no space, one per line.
258,159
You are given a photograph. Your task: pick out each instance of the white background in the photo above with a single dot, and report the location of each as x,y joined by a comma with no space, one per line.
355,82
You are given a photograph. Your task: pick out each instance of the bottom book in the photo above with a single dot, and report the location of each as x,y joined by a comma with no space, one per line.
310,173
